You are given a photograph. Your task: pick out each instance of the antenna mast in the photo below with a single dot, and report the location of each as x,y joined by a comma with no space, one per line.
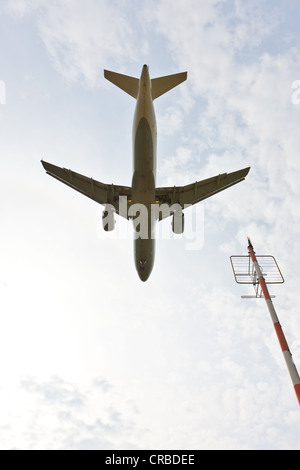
257,279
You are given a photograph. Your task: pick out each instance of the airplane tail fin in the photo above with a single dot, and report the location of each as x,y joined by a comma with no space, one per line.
161,85
128,84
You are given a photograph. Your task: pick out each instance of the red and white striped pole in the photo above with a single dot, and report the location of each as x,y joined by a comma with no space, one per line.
281,338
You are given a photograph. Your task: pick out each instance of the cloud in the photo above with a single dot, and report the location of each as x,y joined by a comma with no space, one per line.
54,391
247,117
55,414
183,361
20,8
82,39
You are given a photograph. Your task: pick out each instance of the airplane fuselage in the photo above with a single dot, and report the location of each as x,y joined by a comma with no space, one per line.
143,202
144,174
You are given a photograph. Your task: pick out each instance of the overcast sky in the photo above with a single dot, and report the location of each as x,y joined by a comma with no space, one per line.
91,357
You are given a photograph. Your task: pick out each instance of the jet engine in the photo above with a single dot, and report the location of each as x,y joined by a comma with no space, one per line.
108,219
178,222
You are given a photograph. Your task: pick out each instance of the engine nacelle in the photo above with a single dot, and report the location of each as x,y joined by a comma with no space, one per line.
178,222
108,219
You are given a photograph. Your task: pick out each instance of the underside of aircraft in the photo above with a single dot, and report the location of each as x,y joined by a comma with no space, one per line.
128,201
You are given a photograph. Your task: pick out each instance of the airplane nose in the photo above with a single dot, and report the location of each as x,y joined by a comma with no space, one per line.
144,257
143,271
143,275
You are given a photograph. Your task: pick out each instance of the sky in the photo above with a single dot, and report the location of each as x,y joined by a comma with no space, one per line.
91,357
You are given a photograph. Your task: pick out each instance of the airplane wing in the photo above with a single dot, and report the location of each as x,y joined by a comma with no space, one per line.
99,192
196,192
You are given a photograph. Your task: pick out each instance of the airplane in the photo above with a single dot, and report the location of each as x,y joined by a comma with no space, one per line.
136,203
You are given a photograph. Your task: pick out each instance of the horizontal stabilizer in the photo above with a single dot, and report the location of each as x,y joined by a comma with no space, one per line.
128,84
161,85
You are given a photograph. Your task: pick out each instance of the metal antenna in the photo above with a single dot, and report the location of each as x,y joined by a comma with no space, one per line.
255,277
